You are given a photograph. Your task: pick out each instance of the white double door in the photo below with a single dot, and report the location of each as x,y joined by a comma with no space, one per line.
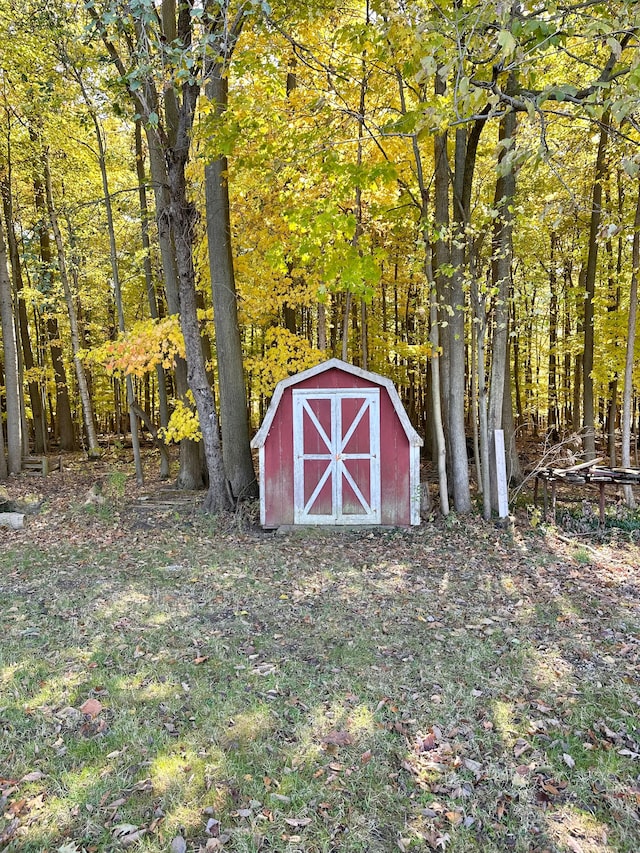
336,446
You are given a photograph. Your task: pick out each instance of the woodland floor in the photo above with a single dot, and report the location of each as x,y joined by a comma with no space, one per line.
172,682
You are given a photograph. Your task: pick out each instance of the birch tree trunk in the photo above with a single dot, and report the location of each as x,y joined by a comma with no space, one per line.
83,388
479,306
438,429
10,358
35,391
457,348
501,279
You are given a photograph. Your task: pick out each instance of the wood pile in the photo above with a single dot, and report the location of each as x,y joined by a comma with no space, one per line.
586,473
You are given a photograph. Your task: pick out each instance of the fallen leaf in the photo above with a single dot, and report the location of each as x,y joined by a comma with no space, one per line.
298,821
518,781
91,708
16,807
553,787
282,798
501,806
568,760
520,747
35,776
128,834
212,827
123,829
178,845
366,757
337,738
426,743
629,753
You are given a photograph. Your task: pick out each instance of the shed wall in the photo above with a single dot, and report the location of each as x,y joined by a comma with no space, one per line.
394,455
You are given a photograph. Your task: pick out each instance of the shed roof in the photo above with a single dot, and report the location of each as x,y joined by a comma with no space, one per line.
261,436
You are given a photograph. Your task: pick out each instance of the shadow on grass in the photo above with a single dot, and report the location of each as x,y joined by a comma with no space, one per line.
452,689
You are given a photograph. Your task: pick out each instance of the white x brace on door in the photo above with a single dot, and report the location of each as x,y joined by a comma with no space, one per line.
336,448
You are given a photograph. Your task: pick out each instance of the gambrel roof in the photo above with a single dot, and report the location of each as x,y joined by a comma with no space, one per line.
336,363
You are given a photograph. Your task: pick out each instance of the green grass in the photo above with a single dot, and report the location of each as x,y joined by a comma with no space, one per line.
456,687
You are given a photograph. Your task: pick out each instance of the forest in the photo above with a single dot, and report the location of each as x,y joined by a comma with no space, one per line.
201,198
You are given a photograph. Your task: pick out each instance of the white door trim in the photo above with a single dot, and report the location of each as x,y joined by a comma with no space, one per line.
335,456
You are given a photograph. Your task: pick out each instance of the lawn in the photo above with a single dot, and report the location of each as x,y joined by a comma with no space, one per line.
171,682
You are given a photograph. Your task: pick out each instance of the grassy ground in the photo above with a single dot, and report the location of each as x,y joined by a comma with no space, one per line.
173,683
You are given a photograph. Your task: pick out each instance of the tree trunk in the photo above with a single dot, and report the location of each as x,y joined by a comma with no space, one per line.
163,404
501,280
169,126
234,419
589,437
567,385
322,327
64,422
553,421
457,347
479,306
345,325
191,475
35,393
115,274
514,468
438,429
436,422
4,471
364,331
10,358
83,389
520,420
631,339
182,217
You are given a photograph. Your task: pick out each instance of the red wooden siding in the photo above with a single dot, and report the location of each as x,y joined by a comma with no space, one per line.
397,451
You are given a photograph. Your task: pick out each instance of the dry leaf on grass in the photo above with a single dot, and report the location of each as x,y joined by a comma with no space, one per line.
337,738
91,708
178,845
35,776
297,821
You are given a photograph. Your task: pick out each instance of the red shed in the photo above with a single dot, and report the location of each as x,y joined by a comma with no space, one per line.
336,447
